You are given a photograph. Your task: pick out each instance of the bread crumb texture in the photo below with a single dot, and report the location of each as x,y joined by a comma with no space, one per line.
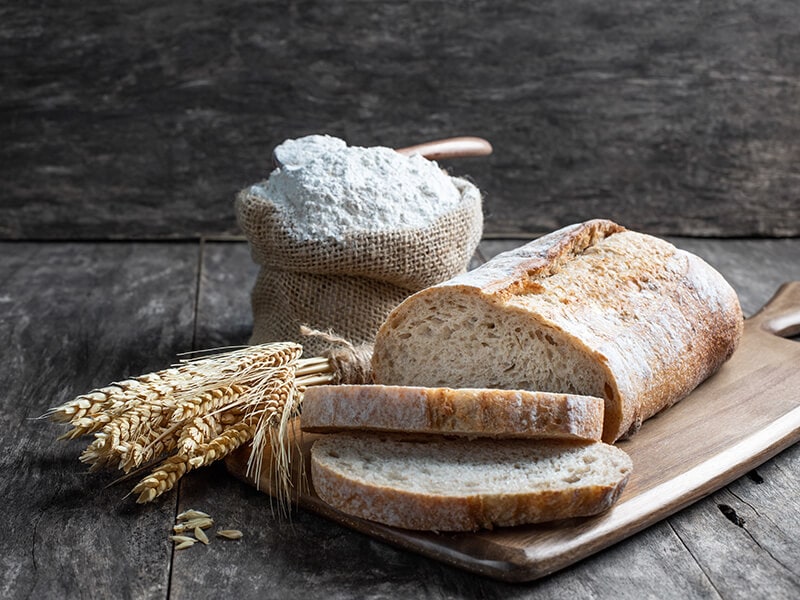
457,485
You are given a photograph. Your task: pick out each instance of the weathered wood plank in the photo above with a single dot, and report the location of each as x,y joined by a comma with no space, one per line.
142,119
227,277
746,525
74,317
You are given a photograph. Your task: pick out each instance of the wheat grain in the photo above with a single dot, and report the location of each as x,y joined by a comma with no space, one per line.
225,443
200,431
150,446
90,411
181,538
207,402
230,534
184,545
232,415
192,514
200,535
116,445
162,479
201,522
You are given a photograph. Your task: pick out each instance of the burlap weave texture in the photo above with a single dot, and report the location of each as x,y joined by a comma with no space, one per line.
348,285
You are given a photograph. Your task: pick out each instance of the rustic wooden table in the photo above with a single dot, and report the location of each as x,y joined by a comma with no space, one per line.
76,315
128,124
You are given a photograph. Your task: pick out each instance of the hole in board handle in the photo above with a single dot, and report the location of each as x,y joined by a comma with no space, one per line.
786,325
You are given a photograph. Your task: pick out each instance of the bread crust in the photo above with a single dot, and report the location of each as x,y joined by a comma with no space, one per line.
653,320
460,508
445,411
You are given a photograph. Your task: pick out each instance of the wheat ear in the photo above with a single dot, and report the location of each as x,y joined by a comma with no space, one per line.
164,477
203,409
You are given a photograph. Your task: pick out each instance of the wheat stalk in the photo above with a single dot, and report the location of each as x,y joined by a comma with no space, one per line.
199,411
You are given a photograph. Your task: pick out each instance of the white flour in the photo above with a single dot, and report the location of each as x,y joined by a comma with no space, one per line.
326,189
293,153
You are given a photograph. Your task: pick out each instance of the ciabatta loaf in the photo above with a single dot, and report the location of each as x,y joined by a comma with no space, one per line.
464,485
592,309
445,411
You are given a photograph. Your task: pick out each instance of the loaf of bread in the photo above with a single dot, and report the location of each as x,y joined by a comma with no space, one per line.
464,485
444,411
592,309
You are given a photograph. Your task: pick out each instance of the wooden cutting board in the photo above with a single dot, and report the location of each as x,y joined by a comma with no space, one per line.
739,418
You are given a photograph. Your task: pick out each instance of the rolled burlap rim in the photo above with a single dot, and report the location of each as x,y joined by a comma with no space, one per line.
408,258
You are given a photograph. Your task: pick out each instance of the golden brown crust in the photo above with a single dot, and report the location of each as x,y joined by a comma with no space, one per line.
523,279
445,411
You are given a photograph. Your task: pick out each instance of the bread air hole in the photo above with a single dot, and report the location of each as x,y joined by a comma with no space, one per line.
333,454
444,333
396,476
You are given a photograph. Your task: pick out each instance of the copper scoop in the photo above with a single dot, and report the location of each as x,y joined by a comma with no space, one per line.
457,147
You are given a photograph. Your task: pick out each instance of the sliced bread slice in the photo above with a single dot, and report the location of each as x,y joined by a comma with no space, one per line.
462,412
465,485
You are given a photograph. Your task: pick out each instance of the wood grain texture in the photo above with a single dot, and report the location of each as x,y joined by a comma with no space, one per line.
140,119
741,529
227,277
74,317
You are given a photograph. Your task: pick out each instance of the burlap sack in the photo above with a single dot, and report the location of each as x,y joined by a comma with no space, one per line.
348,285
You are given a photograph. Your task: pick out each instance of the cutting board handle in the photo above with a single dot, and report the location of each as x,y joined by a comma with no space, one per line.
781,315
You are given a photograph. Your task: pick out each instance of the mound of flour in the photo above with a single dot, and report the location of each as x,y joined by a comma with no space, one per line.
326,189
294,153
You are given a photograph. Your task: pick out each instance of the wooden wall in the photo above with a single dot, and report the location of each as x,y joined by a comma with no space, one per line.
142,118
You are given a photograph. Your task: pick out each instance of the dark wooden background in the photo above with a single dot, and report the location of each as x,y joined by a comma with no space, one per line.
142,118
126,128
